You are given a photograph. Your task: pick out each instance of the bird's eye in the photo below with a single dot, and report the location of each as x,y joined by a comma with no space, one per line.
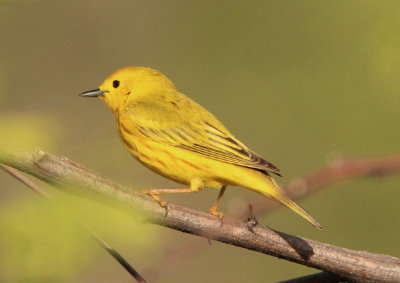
115,84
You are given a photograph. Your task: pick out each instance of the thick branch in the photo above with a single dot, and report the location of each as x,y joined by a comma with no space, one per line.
339,170
353,265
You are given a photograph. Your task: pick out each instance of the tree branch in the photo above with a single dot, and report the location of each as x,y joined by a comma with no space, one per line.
339,170
74,178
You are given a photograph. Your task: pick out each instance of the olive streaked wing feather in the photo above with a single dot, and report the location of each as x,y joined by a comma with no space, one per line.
197,134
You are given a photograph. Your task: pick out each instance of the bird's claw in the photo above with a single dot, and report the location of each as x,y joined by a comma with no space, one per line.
217,213
160,201
166,206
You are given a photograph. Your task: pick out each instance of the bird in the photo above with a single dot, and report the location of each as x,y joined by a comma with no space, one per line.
177,138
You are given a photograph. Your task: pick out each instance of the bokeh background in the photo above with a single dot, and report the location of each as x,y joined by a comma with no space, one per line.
299,82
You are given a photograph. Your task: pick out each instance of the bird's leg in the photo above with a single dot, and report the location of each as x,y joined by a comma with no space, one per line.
195,186
214,209
154,193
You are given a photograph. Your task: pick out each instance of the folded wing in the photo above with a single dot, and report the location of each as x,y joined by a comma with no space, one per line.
200,133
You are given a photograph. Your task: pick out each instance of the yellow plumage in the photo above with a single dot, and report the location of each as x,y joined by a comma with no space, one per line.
179,139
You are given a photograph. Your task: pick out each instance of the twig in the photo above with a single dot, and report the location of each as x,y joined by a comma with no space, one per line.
114,253
17,175
118,257
349,264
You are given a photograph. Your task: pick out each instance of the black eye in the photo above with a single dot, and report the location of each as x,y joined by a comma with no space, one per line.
115,84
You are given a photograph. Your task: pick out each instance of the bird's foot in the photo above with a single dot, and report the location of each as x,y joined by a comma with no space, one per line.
155,196
217,213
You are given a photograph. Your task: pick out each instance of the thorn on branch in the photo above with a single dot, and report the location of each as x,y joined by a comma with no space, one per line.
251,220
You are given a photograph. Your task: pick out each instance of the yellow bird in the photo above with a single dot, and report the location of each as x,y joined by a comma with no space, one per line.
177,138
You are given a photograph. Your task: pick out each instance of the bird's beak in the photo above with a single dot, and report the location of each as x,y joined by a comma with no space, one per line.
93,93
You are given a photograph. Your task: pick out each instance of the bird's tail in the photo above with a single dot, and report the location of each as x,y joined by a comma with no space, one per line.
281,196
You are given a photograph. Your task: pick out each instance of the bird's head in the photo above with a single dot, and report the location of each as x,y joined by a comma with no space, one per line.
129,84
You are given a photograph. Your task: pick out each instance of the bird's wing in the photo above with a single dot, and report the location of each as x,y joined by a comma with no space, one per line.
194,129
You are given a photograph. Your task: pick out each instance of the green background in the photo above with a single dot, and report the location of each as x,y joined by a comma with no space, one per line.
300,82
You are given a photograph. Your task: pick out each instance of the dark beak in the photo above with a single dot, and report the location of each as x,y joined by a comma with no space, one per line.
93,93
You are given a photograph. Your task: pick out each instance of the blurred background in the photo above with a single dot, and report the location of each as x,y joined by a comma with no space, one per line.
299,82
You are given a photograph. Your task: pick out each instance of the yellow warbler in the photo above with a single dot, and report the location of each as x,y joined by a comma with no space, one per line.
179,139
